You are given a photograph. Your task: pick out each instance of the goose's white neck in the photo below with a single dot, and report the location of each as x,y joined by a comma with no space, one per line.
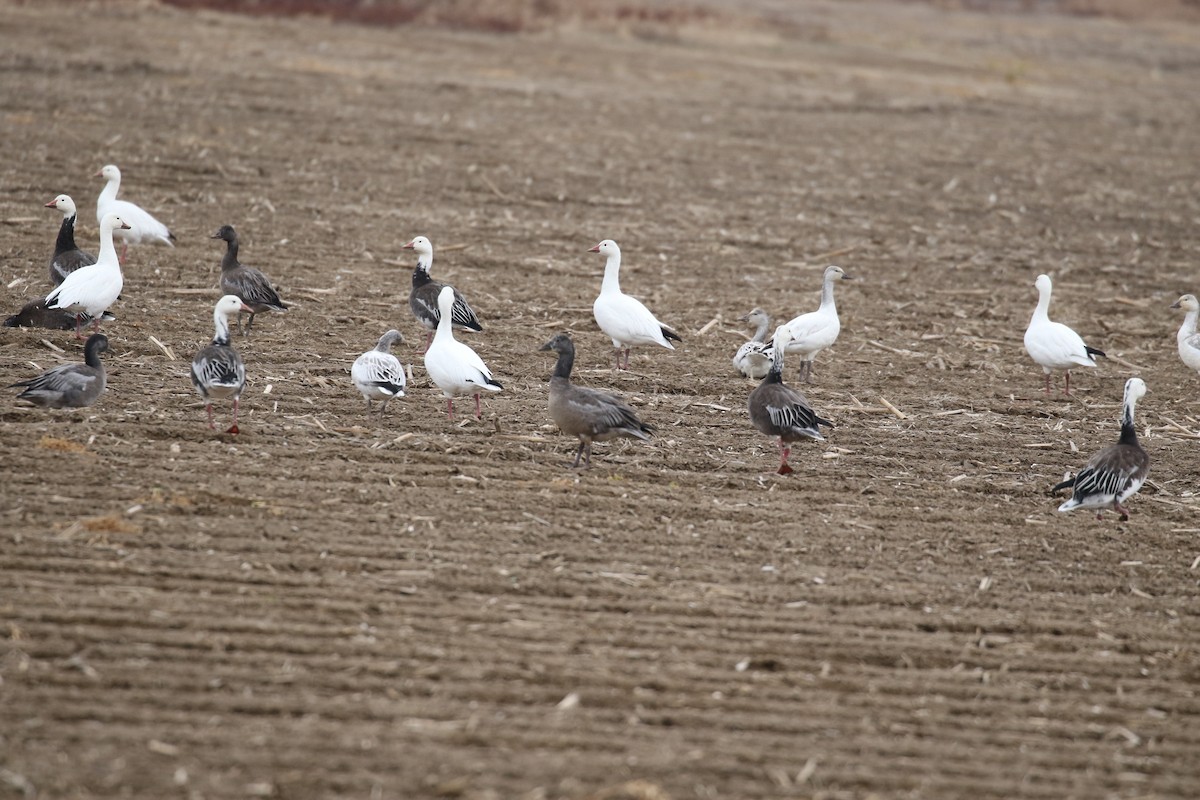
445,323
220,327
612,269
1042,312
108,251
1189,324
109,193
424,261
760,335
827,303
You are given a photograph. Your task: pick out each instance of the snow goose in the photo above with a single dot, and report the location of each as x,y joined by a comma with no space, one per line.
67,256
423,299
454,367
90,290
779,410
812,332
251,286
1188,339
623,318
1053,345
378,374
35,314
217,370
753,359
142,226
591,415
70,385
1116,473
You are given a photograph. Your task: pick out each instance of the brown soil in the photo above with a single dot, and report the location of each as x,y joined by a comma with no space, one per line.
333,605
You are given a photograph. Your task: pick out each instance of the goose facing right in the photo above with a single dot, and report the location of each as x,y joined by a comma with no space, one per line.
423,298
143,227
1053,345
588,414
623,318
67,256
90,290
218,371
1188,339
453,366
70,385
379,375
779,410
811,333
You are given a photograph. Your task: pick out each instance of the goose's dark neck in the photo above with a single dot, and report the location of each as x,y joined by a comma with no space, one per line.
566,361
91,354
230,261
421,276
775,375
1128,432
66,236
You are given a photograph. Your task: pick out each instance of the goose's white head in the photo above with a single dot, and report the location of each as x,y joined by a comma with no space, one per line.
833,273
229,305
63,203
422,247
1135,389
606,248
109,172
1043,284
755,317
445,301
1187,302
112,222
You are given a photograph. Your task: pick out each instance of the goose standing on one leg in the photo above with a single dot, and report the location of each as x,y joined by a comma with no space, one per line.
1053,345
1187,338
250,285
67,256
378,374
623,318
70,385
218,371
1116,473
590,415
812,332
143,227
454,367
90,290
753,359
423,299
779,410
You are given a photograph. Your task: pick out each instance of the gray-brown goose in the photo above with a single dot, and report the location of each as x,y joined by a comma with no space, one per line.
588,414
67,256
36,314
251,286
70,385
1117,472
423,299
779,410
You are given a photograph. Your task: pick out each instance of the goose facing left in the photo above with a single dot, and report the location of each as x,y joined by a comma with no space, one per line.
624,318
218,372
247,283
70,385
90,290
67,256
1188,340
1053,345
753,359
143,227
778,410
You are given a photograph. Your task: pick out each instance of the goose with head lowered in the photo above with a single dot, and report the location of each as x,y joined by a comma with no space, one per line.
1187,338
143,227
753,359
35,314
70,385
89,291
379,375
423,299
813,332
218,372
1053,345
778,410
453,366
250,285
67,256
588,414
623,318
1116,473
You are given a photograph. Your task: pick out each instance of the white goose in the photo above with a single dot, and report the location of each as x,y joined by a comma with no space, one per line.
753,359
143,227
1053,345
217,370
378,374
454,367
623,318
812,332
1188,339
90,290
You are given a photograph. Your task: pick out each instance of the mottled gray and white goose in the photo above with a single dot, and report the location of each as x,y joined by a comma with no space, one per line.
70,385
588,414
1187,338
753,359
143,227
218,372
378,374
452,365
1116,473
251,286
67,256
779,410
423,299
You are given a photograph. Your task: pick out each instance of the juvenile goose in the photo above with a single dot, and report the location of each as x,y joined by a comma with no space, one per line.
1116,473
753,359
35,314
454,367
423,299
67,256
142,226
623,318
1053,345
1188,339
217,369
248,284
90,290
591,415
779,410
70,385
378,374
812,332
